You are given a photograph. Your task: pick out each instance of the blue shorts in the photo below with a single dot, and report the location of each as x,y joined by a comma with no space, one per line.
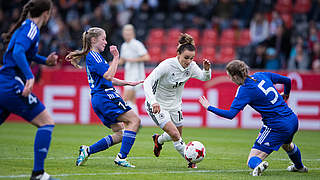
11,101
109,106
271,139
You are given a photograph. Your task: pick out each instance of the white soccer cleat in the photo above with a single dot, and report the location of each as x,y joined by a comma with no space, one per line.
44,176
292,168
123,162
257,171
83,155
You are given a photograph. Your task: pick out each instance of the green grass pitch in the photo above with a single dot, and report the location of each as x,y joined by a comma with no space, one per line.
227,151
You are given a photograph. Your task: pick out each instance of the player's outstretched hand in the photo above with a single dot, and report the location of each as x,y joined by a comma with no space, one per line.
155,108
114,51
284,96
204,102
28,87
206,64
52,59
134,83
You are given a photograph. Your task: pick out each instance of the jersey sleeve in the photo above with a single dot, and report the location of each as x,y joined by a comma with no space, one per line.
278,79
151,82
141,49
197,73
97,65
242,98
27,35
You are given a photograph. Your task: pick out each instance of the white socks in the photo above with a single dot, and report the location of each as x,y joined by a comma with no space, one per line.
164,138
179,145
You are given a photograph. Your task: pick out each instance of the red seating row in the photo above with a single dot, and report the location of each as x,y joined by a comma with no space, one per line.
286,6
209,37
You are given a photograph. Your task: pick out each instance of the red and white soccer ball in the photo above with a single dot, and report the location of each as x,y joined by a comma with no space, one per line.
194,152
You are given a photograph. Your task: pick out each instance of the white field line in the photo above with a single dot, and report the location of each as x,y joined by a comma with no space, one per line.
149,173
142,157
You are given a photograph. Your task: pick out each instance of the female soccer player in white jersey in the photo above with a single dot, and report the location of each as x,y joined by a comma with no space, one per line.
133,54
163,89
106,102
280,123
17,80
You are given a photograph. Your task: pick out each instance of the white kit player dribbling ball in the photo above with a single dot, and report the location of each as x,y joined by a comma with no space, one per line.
194,152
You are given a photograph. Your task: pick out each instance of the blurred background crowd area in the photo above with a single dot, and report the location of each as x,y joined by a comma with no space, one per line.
267,34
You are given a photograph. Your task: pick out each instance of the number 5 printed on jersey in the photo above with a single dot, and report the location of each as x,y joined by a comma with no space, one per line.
266,91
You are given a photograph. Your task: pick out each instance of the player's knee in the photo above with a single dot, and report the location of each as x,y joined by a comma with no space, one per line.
175,136
288,147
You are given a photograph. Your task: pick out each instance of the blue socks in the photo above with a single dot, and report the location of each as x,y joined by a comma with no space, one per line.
101,145
254,162
127,141
41,146
295,157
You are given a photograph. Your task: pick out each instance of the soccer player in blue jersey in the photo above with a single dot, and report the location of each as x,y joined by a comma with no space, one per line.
279,122
17,80
106,102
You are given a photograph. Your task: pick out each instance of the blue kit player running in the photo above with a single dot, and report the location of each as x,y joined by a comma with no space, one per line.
106,102
16,78
280,123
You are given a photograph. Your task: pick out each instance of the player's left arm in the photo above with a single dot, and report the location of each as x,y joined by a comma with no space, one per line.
203,75
279,79
119,82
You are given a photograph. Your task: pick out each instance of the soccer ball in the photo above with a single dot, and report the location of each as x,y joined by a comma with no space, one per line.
194,152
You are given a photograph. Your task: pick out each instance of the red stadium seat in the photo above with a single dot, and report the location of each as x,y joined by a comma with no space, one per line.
228,38
284,6
155,53
170,51
209,38
155,37
287,19
195,34
226,55
172,37
244,38
302,6
208,52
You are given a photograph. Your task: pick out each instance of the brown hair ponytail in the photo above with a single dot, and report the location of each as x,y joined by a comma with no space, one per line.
239,69
185,42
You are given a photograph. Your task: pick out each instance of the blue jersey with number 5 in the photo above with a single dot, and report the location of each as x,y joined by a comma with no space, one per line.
262,96
96,66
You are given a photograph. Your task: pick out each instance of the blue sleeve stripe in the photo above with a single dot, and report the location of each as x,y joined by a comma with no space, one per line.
96,56
32,32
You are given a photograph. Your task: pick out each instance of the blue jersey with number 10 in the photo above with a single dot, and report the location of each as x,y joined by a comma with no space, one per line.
96,66
262,96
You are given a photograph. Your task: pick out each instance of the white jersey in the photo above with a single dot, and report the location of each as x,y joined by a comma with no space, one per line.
165,83
134,71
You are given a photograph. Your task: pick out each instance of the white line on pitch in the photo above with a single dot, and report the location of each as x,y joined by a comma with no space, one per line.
148,173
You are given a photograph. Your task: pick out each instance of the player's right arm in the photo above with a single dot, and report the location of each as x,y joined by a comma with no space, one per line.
150,86
109,74
278,79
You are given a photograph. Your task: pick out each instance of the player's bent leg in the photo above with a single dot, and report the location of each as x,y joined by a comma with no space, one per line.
131,122
295,156
42,141
174,133
255,161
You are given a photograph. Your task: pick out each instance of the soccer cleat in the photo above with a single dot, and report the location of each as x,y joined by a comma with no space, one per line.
43,176
192,165
157,146
257,171
83,155
123,162
292,168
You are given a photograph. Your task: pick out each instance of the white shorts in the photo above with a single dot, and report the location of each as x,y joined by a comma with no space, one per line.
165,116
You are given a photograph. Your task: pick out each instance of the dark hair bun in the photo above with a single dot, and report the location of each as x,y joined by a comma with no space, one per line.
185,39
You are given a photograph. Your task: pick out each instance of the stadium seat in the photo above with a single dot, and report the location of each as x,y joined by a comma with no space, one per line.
195,34
155,37
169,52
172,37
284,6
302,6
244,38
155,54
209,38
226,55
208,52
287,19
227,38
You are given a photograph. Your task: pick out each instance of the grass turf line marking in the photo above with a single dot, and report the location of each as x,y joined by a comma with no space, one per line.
159,172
